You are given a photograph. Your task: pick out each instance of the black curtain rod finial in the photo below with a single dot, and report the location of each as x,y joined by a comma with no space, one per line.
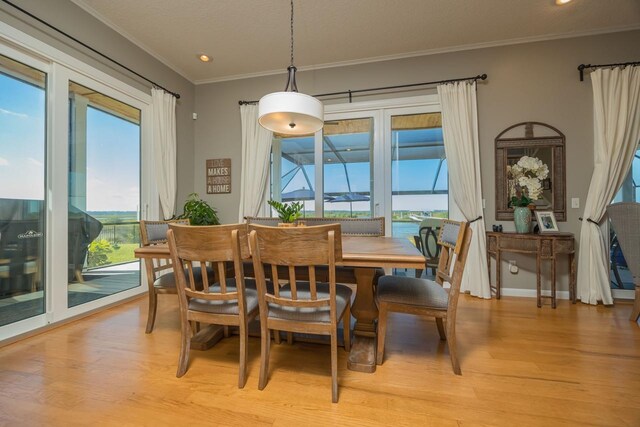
583,67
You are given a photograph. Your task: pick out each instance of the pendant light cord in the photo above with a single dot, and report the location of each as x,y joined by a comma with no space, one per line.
292,33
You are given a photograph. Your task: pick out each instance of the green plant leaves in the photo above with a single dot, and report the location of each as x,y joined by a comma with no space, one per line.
287,212
199,212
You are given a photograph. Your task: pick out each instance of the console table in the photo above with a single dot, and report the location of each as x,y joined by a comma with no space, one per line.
545,247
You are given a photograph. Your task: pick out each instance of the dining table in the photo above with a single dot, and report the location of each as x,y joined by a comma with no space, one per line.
362,257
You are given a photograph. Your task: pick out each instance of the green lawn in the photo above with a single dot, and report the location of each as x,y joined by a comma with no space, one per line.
123,254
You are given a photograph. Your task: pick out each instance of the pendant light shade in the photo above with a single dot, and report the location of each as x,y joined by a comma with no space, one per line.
291,113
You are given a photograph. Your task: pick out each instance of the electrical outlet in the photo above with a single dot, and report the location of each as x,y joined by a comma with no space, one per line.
513,267
575,203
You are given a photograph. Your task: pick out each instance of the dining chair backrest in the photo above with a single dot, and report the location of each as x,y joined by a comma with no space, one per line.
625,219
271,222
195,246
427,239
454,240
363,227
155,232
292,247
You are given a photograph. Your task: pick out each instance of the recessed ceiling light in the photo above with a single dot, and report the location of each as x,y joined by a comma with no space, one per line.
561,2
348,149
328,160
204,58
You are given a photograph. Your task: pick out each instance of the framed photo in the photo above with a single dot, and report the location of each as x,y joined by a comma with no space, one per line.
547,222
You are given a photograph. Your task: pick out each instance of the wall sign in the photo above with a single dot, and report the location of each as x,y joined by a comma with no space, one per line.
218,176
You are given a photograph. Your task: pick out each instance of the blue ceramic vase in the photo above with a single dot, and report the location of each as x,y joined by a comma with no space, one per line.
522,219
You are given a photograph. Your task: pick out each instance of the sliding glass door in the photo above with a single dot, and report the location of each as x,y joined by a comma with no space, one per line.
74,182
23,93
104,195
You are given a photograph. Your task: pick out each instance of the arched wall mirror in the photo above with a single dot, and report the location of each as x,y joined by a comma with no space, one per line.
543,142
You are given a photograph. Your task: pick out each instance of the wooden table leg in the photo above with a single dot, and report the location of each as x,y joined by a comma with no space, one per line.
362,357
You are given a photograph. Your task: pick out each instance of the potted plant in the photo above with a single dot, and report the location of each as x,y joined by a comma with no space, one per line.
525,182
199,212
287,212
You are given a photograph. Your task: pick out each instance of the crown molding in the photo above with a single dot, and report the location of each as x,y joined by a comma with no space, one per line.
428,52
474,46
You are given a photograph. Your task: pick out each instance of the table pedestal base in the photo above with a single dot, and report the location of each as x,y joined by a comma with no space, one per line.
362,357
207,337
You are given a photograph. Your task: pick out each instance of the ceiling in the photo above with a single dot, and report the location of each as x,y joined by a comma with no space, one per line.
251,37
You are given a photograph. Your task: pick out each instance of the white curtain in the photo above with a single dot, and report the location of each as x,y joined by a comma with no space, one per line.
164,148
460,131
616,108
256,151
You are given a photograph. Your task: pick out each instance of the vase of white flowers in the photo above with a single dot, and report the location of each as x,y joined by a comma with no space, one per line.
525,186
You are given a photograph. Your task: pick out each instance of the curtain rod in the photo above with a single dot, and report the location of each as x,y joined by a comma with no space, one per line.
351,92
583,67
177,95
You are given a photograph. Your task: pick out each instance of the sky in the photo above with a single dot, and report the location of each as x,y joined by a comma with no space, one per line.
113,151
22,132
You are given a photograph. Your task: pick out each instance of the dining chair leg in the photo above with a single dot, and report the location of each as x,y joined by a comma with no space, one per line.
334,366
451,343
346,327
382,331
419,273
151,316
185,345
290,338
265,343
225,331
244,345
276,336
440,325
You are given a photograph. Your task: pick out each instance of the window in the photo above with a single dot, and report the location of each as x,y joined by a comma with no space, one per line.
419,177
383,158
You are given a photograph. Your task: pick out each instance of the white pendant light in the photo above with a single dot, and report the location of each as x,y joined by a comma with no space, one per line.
291,112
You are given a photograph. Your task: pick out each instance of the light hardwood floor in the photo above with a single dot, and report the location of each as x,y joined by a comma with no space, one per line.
521,366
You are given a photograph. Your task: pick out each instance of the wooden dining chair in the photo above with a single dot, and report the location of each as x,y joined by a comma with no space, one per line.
427,242
428,298
228,301
309,307
160,278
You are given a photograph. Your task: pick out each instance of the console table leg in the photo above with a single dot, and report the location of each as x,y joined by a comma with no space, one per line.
538,286
498,262
572,278
553,283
